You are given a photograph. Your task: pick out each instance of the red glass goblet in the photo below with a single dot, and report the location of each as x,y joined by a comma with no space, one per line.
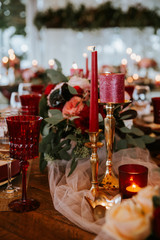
30,103
24,141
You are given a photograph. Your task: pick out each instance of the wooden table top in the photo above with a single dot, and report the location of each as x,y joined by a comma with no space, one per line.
43,224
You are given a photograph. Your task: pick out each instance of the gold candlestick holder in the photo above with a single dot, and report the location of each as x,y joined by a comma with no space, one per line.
102,200
94,160
110,182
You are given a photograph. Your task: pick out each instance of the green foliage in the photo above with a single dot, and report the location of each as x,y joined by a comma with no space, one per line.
12,13
105,15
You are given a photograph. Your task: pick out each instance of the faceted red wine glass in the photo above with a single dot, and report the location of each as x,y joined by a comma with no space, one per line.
30,103
24,141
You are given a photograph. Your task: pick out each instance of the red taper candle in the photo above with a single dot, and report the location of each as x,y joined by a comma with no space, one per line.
87,71
93,120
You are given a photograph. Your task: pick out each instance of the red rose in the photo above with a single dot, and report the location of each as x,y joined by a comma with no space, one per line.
48,89
156,223
79,90
83,121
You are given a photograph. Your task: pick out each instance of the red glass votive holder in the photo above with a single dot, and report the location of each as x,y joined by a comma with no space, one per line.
156,109
30,103
132,177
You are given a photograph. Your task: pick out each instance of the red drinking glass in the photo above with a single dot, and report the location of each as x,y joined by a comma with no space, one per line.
132,177
24,141
30,103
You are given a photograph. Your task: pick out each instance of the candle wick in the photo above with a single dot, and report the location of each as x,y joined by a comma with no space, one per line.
94,48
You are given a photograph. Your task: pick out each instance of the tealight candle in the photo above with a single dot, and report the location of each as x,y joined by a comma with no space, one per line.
76,71
132,177
112,87
133,188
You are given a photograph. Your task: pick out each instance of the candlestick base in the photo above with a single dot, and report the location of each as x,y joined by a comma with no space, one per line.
110,182
101,200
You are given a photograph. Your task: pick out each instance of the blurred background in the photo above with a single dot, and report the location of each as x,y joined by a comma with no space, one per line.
33,33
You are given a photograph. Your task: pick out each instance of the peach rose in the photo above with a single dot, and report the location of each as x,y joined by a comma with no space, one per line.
144,198
126,221
73,107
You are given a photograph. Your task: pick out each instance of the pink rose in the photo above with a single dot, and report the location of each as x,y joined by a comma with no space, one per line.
73,107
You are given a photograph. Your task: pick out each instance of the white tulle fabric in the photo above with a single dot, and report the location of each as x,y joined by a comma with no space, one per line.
68,193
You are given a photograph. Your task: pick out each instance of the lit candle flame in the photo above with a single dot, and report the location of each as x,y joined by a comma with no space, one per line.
5,59
85,55
34,63
133,188
91,48
124,61
10,51
12,56
51,62
74,66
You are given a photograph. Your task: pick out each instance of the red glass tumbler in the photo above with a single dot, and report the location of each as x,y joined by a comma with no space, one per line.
156,109
24,142
30,103
132,177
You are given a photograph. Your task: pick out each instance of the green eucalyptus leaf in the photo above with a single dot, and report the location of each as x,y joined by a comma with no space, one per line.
129,114
100,118
72,90
71,137
147,139
131,141
125,130
73,166
121,144
140,143
42,162
56,76
46,130
59,67
137,131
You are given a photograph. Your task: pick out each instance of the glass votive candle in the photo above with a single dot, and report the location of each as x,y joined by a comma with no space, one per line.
30,103
156,109
132,177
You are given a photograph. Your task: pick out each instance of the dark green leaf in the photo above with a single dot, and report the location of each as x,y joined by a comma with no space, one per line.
59,67
147,139
56,76
137,131
72,90
73,166
129,114
42,162
121,144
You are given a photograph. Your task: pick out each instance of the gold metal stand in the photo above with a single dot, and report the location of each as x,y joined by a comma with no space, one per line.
94,160
102,200
110,182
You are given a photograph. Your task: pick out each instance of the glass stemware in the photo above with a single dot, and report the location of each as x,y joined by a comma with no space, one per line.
10,191
24,142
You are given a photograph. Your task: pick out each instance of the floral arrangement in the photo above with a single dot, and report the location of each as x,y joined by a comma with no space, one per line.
137,218
105,15
33,74
64,107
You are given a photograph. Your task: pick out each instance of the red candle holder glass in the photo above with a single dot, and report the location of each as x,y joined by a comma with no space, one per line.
30,103
156,109
132,177
24,142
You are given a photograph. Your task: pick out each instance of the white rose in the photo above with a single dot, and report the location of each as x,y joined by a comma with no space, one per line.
144,198
81,82
126,221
